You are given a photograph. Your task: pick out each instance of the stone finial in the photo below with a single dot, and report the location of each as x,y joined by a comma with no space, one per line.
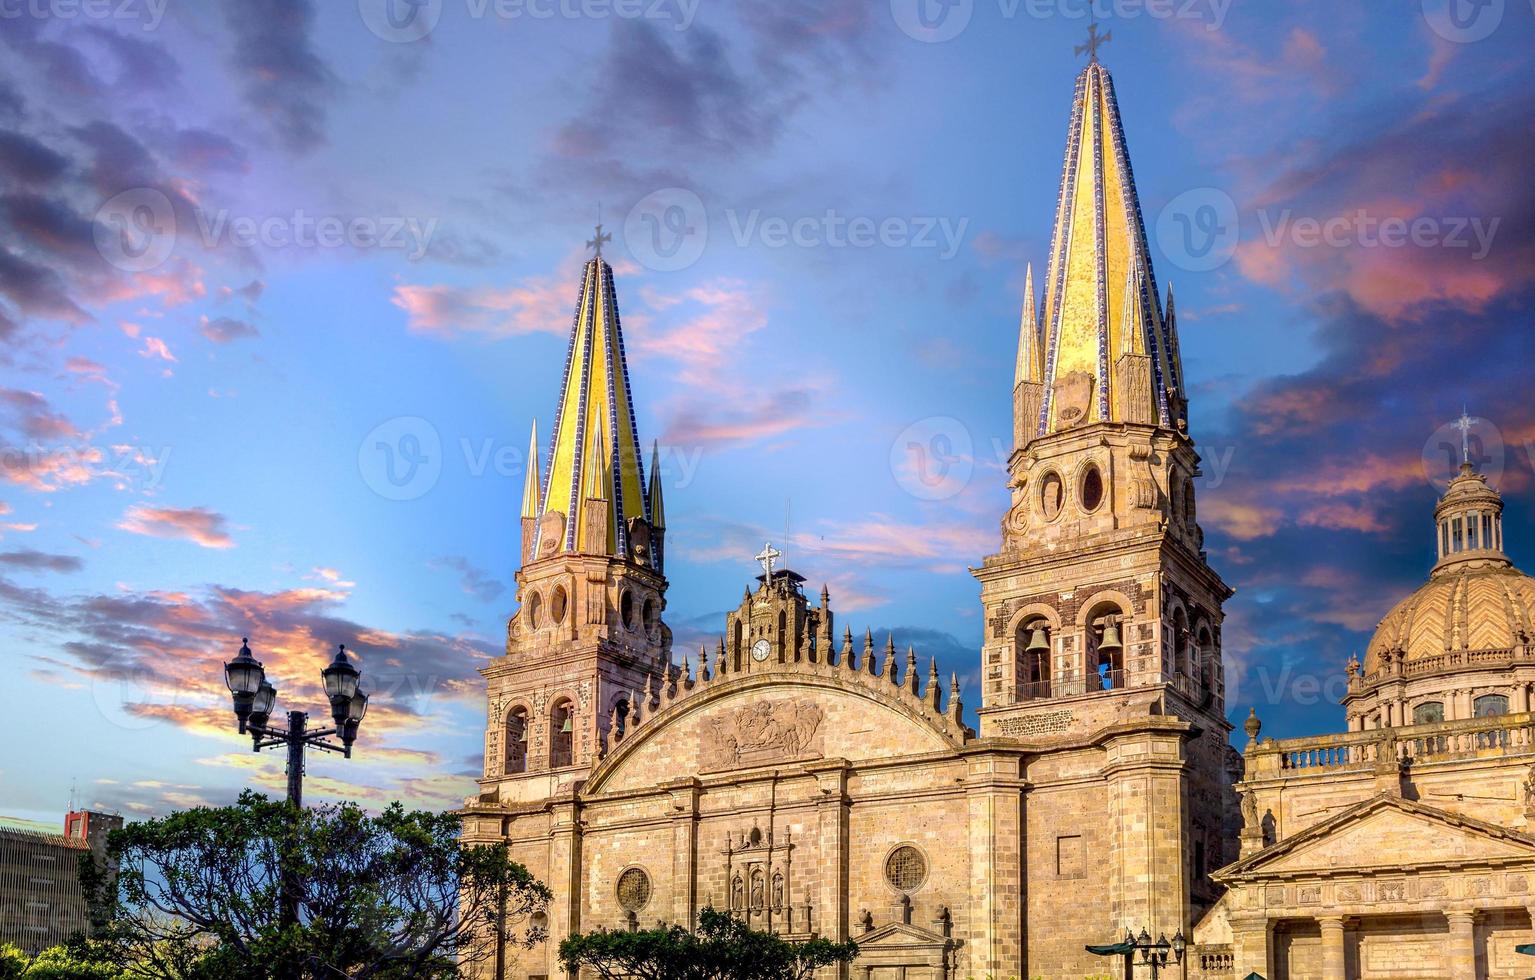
719,658
636,709
934,693
868,652
956,710
686,681
891,671
911,670
825,596
703,664
849,660
1252,726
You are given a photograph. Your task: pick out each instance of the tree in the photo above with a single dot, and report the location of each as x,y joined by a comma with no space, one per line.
13,962
395,896
723,948
62,963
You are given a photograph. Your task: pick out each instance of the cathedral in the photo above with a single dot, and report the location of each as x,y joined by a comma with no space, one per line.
818,783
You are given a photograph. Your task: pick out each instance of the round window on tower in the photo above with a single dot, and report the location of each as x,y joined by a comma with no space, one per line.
535,610
1092,489
648,613
557,604
633,889
1052,496
905,869
626,609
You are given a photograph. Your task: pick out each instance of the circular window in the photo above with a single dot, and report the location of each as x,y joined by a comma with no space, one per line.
633,889
1052,495
536,610
557,604
905,868
1092,489
626,609
649,612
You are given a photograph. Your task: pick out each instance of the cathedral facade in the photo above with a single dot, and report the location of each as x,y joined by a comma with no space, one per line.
821,783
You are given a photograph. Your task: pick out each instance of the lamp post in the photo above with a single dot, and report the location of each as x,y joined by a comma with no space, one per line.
1153,954
254,697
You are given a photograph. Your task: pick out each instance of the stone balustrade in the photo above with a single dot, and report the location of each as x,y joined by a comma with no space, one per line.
1497,735
1445,663
1211,961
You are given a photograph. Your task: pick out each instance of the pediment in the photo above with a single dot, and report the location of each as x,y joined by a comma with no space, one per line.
899,935
1386,832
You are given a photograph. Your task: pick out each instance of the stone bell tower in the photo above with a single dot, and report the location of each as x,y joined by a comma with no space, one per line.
587,639
776,624
1100,607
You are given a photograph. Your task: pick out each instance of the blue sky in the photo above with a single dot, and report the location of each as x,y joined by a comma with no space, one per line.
191,419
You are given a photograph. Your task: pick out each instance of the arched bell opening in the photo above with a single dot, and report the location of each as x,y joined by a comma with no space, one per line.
1032,642
1106,648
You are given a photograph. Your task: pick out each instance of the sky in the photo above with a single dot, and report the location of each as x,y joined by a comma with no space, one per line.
284,285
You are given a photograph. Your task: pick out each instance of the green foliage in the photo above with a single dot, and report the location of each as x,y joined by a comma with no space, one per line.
61,963
722,948
200,895
13,962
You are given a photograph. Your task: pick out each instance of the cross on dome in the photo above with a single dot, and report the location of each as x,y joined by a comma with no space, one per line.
767,556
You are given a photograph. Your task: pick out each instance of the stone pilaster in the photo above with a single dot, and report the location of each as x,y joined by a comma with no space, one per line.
1250,944
1147,810
994,797
684,817
831,911
564,866
1462,949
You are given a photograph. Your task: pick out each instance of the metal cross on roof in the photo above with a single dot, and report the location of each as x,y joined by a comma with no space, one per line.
1464,424
595,243
767,557
1094,41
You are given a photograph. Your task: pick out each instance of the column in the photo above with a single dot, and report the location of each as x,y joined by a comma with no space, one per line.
684,815
1332,947
565,878
830,915
1462,951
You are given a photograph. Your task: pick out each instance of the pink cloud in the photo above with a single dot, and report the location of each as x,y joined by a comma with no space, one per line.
197,524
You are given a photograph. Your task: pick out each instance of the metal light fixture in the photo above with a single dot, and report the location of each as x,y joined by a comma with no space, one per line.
340,684
261,709
244,676
255,698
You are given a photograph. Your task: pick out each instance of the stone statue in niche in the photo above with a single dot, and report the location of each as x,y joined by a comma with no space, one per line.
1529,792
756,889
737,894
778,891
761,732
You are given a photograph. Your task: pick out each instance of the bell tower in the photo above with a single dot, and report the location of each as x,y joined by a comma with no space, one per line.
1100,606
587,639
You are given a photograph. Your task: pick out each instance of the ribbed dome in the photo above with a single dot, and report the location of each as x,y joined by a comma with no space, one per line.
1475,600
1463,607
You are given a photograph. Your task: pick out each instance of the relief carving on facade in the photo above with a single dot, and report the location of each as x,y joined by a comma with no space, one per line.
765,731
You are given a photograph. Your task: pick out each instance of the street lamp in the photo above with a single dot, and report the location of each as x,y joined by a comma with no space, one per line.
254,697
1154,954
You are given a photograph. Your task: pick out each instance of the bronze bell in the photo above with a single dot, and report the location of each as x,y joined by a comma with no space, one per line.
1037,641
1110,639
565,728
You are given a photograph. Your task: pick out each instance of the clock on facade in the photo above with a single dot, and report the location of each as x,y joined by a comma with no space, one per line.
761,649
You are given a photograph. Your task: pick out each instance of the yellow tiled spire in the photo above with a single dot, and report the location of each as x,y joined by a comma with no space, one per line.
594,452
1100,296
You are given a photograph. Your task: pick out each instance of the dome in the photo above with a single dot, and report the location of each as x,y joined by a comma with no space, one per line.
1474,601
1461,609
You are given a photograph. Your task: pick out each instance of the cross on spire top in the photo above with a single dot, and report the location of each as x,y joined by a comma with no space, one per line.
766,557
595,242
1094,42
1465,424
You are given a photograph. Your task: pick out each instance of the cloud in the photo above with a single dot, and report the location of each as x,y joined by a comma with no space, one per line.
197,524
154,347
223,330
473,580
719,317
27,161
284,78
536,305
39,561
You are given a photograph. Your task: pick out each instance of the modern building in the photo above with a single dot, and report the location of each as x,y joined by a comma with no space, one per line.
817,783
41,901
